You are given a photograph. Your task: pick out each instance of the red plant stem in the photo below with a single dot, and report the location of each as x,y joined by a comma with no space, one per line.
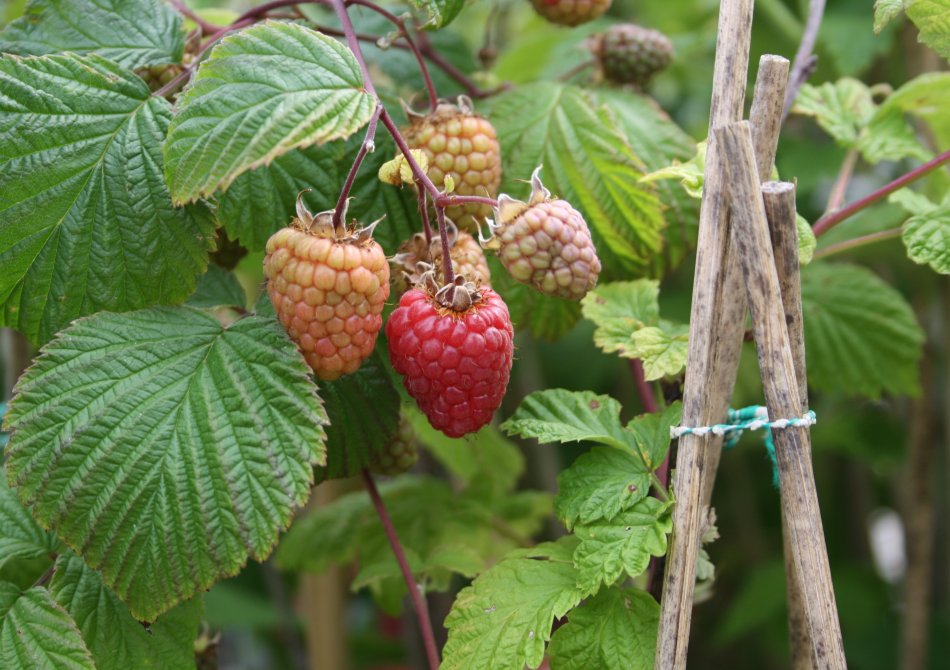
260,10
205,27
827,222
415,594
805,60
400,24
338,223
859,242
449,200
648,399
417,170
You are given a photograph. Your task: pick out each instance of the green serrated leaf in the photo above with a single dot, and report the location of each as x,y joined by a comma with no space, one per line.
621,546
932,18
218,288
614,630
502,621
133,33
845,109
37,633
262,92
116,640
620,308
861,335
557,415
190,445
927,234
806,240
926,97
20,536
599,485
588,162
651,432
691,173
659,142
628,323
439,13
86,221
884,12
662,349
363,409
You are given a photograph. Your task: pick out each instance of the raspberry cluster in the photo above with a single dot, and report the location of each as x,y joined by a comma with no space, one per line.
467,256
454,349
570,12
400,454
462,146
328,291
545,243
630,54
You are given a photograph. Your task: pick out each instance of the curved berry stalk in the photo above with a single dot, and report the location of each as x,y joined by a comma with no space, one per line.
416,256
328,286
454,347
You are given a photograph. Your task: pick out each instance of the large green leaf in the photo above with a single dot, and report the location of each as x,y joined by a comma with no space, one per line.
502,621
262,92
557,415
363,409
86,222
614,630
926,97
20,536
599,485
932,18
37,633
627,315
658,142
846,110
165,448
133,33
884,11
116,640
861,335
588,162
926,234
262,201
621,546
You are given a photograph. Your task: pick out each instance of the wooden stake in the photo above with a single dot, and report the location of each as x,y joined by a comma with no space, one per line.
703,392
799,497
729,330
779,198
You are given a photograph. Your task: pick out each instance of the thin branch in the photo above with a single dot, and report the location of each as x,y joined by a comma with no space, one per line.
444,235
870,238
805,61
405,34
577,69
188,70
205,27
840,188
415,593
450,200
462,79
827,222
417,170
46,576
367,146
423,198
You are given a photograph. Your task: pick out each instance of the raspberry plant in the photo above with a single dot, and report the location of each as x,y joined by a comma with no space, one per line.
216,326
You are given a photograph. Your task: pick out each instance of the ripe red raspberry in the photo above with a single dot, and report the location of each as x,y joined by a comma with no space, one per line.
400,454
545,243
630,54
462,145
570,12
454,350
467,256
328,290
